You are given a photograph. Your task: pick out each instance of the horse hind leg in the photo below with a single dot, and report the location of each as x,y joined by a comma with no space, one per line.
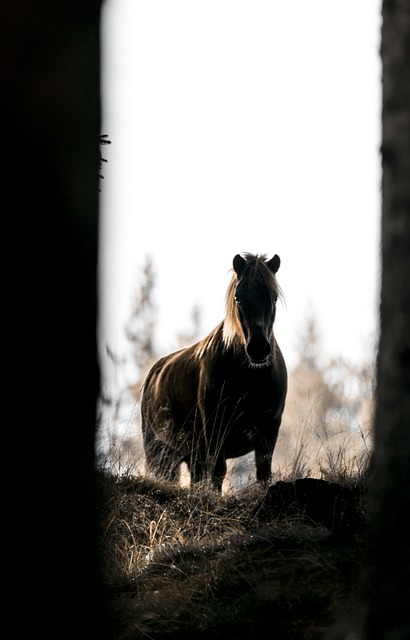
204,470
162,462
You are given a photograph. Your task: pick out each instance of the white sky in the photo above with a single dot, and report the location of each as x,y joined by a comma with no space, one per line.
242,125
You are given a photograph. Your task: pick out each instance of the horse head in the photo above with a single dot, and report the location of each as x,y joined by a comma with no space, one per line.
255,295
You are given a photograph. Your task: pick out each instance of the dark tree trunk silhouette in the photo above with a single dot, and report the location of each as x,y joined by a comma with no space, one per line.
381,610
50,144
389,581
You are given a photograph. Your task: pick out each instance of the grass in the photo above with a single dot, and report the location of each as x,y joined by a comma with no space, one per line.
179,562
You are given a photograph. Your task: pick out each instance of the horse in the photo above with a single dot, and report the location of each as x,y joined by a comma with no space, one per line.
224,396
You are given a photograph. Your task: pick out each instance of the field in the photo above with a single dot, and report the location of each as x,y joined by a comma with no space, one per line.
282,562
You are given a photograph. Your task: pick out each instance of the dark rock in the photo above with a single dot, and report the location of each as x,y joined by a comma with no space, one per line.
341,509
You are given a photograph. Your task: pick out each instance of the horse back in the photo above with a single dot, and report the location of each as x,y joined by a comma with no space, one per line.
170,391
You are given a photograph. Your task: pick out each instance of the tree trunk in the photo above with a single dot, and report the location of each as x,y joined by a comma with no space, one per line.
50,143
389,581
381,610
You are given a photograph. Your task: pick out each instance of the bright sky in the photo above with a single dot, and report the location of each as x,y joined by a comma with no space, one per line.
242,125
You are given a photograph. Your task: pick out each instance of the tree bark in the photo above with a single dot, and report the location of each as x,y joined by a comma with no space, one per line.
50,120
387,614
380,610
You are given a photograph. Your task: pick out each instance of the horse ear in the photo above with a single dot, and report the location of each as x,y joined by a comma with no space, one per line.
274,263
238,264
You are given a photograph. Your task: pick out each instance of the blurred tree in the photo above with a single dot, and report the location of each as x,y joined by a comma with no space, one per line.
119,443
328,413
313,394
382,609
141,327
121,446
388,594
185,338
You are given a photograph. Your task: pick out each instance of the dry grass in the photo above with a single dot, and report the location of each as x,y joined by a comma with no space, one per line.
309,450
180,561
321,453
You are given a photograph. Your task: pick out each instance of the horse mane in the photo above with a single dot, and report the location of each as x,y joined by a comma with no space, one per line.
257,270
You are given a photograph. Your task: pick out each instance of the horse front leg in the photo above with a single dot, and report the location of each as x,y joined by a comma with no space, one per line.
218,472
197,469
263,455
263,462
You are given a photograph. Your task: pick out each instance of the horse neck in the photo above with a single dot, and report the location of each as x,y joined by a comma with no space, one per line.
212,341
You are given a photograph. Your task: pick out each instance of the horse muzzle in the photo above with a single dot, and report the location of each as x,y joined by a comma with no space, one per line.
258,350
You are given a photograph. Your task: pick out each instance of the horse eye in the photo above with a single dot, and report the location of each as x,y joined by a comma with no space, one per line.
238,300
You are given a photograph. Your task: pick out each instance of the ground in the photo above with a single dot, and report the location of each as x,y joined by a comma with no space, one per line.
178,562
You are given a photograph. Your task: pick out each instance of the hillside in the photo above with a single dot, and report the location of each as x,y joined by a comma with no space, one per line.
177,563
